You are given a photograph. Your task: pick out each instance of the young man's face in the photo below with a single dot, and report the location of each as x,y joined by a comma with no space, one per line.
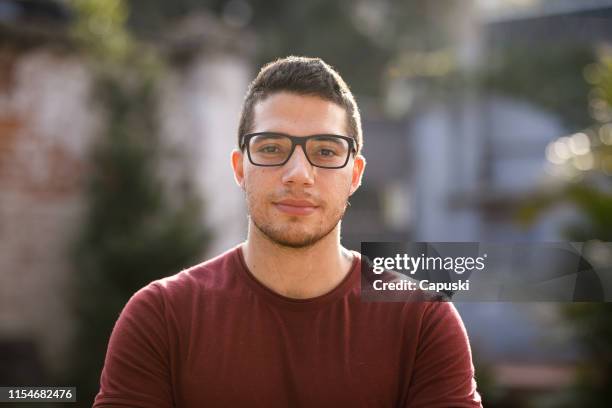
297,204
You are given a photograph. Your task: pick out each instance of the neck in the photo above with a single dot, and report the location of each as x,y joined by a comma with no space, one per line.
298,273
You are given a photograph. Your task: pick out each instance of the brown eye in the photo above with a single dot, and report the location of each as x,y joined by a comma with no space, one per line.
327,153
269,149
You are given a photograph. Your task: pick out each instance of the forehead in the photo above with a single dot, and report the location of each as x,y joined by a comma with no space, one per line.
299,115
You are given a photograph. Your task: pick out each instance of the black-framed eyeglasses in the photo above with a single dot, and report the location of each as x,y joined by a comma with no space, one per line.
275,149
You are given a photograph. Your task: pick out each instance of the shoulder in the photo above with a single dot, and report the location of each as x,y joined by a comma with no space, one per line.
211,275
443,372
442,318
442,335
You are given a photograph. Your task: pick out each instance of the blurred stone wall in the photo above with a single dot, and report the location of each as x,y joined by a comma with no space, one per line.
46,125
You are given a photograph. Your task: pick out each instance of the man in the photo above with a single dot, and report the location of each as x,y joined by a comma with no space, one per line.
278,321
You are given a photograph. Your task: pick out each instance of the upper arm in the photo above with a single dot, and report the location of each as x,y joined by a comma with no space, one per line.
443,374
136,368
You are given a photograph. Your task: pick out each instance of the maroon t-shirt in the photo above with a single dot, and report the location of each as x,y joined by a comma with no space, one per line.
214,336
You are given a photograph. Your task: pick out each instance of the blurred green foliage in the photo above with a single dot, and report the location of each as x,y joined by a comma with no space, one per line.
134,231
100,28
593,325
588,188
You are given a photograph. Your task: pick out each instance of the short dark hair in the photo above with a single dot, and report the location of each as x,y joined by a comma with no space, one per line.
303,76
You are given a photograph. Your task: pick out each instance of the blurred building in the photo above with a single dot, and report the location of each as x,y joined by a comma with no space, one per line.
481,156
379,210
47,125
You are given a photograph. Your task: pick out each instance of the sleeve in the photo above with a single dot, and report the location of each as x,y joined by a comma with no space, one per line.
443,374
136,368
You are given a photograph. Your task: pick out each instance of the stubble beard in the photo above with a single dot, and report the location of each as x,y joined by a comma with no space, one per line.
286,236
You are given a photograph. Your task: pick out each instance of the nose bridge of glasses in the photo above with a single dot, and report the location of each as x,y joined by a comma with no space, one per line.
303,155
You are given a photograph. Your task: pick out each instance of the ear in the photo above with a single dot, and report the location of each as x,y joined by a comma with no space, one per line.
237,158
358,167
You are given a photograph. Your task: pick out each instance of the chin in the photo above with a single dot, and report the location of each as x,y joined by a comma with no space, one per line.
292,236
295,244
292,239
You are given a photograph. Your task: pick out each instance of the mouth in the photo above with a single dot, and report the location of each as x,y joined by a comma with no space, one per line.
296,207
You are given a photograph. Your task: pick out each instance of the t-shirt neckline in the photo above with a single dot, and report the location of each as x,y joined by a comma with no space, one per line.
345,285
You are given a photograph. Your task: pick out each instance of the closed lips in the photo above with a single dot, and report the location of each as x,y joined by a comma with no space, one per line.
296,207
296,203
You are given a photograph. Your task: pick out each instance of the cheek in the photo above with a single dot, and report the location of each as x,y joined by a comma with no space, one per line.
257,183
339,190
252,177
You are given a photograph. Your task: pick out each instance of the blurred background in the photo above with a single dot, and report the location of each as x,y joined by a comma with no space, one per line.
484,120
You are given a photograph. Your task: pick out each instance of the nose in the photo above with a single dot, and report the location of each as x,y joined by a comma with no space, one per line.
298,169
